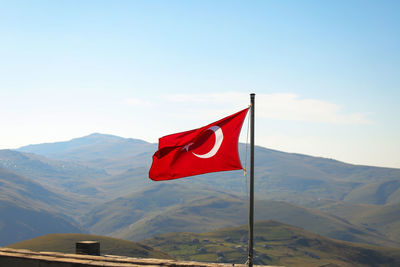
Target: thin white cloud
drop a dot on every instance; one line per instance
(280, 106)
(292, 107)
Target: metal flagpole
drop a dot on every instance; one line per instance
(251, 205)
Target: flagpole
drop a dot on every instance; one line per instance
(251, 204)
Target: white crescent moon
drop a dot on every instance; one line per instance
(219, 136)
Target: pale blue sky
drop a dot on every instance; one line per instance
(326, 73)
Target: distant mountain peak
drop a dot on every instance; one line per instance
(97, 150)
(100, 135)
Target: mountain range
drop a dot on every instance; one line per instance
(279, 175)
(99, 184)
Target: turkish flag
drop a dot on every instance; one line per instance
(211, 148)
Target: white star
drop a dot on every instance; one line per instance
(187, 147)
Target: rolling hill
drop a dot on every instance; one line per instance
(125, 183)
(59, 175)
(111, 172)
(65, 243)
(279, 175)
(385, 219)
(25, 192)
(19, 223)
(295, 177)
(179, 207)
(124, 211)
(275, 243)
(380, 193)
(27, 209)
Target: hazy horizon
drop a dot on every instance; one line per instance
(97, 133)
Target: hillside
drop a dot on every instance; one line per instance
(65, 243)
(124, 211)
(28, 209)
(154, 211)
(125, 183)
(279, 175)
(380, 193)
(18, 223)
(26, 193)
(275, 243)
(105, 179)
(59, 175)
(301, 178)
(385, 219)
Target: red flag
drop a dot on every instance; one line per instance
(211, 148)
